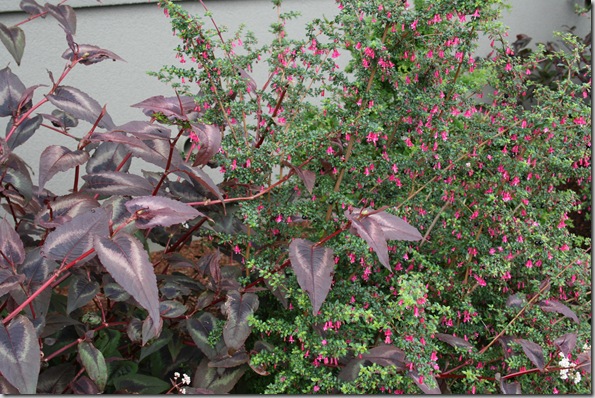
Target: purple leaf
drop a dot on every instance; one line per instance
(158, 210)
(167, 106)
(387, 355)
(61, 119)
(200, 177)
(422, 385)
(75, 237)
(24, 131)
(13, 39)
(85, 386)
(250, 83)
(238, 308)
(80, 292)
(55, 159)
(308, 177)
(35, 268)
(556, 306)
(566, 343)
(64, 208)
(171, 309)
(208, 141)
(31, 7)
(155, 151)
(144, 130)
(372, 233)
(9, 281)
(65, 16)
(80, 105)
(116, 183)
(513, 388)
(584, 361)
(394, 228)
(11, 91)
(533, 351)
(20, 354)
(11, 247)
(313, 267)
(230, 361)
(456, 342)
(515, 300)
(128, 263)
(199, 330)
(89, 54)
(351, 370)
(107, 157)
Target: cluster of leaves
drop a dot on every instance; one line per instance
(379, 227)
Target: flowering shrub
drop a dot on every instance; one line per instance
(398, 225)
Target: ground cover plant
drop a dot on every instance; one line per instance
(401, 224)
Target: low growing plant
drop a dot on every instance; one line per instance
(380, 227)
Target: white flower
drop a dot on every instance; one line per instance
(186, 379)
(183, 391)
(577, 377)
(176, 375)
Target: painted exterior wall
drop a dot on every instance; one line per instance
(141, 35)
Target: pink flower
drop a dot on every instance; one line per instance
(316, 388)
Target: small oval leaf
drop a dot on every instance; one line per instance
(94, 363)
(20, 354)
(80, 292)
(157, 210)
(13, 39)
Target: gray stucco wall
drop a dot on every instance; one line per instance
(141, 35)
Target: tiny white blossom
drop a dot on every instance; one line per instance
(577, 377)
(183, 391)
(176, 375)
(186, 379)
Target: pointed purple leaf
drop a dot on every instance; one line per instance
(24, 131)
(584, 361)
(11, 91)
(89, 54)
(351, 370)
(61, 119)
(172, 309)
(230, 361)
(533, 351)
(456, 342)
(313, 267)
(65, 16)
(65, 208)
(387, 355)
(208, 142)
(199, 329)
(13, 39)
(566, 343)
(198, 176)
(394, 228)
(94, 363)
(144, 130)
(128, 263)
(422, 385)
(85, 386)
(158, 210)
(372, 233)
(12, 250)
(167, 106)
(19, 354)
(250, 83)
(9, 281)
(108, 157)
(238, 308)
(31, 7)
(55, 159)
(80, 292)
(513, 388)
(116, 183)
(308, 177)
(80, 105)
(556, 306)
(75, 237)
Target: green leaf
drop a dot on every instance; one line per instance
(20, 354)
(140, 384)
(94, 362)
(13, 39)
